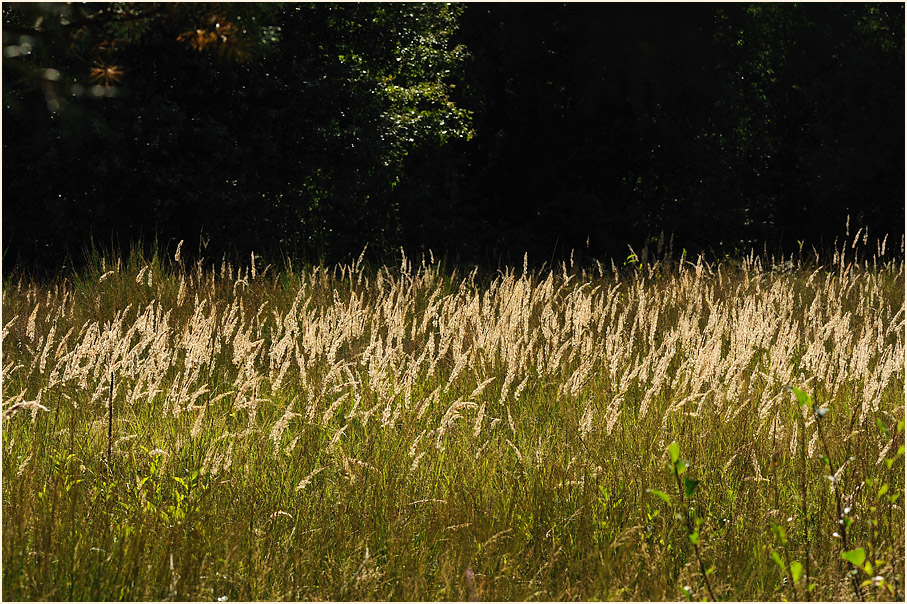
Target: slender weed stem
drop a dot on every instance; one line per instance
(110, 420)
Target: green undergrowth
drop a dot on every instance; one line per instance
(242, 434)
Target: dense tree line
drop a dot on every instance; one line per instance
(482, 130)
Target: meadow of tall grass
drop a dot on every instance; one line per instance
(663, 430)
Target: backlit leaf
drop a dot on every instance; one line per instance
(660, 494)
(777, 558)
(855, 556)
(796, 570)
(802, 397)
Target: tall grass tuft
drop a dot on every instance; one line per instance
(221, 432)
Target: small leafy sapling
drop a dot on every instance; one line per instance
(686, 487)
(844, 520)
(795, 570)
(862, 558)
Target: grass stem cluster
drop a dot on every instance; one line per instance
(414, 432)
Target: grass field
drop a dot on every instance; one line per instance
(419, 433)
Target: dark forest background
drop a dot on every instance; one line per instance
(482, 131)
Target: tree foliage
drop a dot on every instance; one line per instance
(727, 125)
(487, 130)
(262, 125)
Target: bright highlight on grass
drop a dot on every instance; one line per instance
(667, 431)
